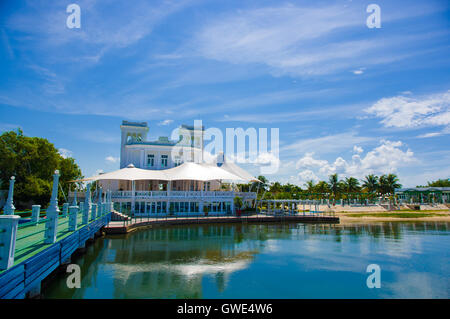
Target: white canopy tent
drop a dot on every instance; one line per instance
(186, 171)
(129, 173)
(238, 171)
(198, 172)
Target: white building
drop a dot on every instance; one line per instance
(171, 177)
(160, 154)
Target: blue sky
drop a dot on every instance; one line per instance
(346, 98)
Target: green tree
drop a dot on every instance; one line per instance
(370, 183)
(310, 186)
(439, 183)
(33, 160)
(351, 185)
(392, 182)
(322, 187)
(388, 183)
(333, 182)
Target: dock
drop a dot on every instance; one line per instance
(124, 227)
(35, 259)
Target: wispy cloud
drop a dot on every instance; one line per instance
(327, 144)
(112, 159)
(165, 122)
(298, 40)
(105, 25)
(406, 111)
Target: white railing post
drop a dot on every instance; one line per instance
(94, 211)
(35, 212)
(99, 202)
(9, 206)
(52, 213)
(8, 232)
(73, 217)
(65, 209)
(87, 201)
(74, 203)
(85, 214)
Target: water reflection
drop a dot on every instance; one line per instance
(264, 261)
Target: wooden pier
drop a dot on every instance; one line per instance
(123, 227)
(36, 259)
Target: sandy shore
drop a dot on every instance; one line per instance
(372, 217)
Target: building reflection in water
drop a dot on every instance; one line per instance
(177, 262)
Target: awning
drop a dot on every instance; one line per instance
(186, 171)
(129, 173)
(198, 172)
(238, 171)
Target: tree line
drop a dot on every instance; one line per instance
(333, 188)
(33, 161)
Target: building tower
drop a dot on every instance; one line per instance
(131, 132)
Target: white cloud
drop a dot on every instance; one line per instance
(123, 26)
(305, 176)
(298, 40)
(165, 122)
(385, 158)
(406, 111)
(327, 144)
(112, 159)
(65, 153)
(358, 71)
(357, 149)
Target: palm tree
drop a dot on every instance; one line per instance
(351, 185)
(322, 187)
(392, 182)
(370, 183)
(310, 186)
(333, 183)
(261, 185)
(382, 184)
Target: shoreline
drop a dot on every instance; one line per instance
(434, 216)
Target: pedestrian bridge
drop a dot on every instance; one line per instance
(34, 243)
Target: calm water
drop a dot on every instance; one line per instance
(266, 261)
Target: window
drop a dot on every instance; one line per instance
(150, 160)
(164, 160)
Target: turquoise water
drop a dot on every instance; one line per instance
(265, 261)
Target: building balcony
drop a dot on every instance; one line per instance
(174, 195)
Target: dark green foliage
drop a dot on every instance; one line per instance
(33, 160)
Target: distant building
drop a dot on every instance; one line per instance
(162, 153)
(423, 194)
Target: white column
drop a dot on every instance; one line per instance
(99, 202)
(52, 213)
(8, 231)
(93, 211)
(73, 216)
(85, 211)
(87, 199)
(133, 199)
(74, 203)
(65, 209)
(9, 206)
(35, 212)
